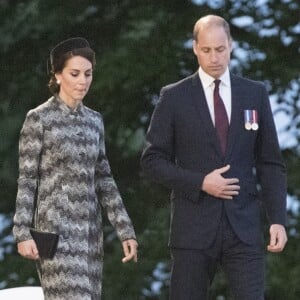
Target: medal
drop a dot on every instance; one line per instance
(255, 120)
(251, 119)
(247, 119)
(254, 126)
(248, 126)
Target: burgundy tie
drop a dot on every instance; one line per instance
(221, 118)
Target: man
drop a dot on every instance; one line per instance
(212, 142)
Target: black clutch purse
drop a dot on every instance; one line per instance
(46, 242)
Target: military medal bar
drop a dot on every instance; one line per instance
(251, 119)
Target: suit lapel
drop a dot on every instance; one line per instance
(200, 104)
(235, 122)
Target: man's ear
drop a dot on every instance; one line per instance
(195, 50)
(230, 45)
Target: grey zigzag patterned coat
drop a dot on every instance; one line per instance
(63, 151)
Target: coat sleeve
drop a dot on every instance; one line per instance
(109, 195)
(30, 145)
(271, 170)
(158, 161)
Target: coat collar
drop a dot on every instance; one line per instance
(60, 104)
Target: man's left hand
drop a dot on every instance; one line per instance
(278, 238)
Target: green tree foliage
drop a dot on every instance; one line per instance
(141, 46)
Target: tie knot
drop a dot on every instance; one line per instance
(217, 83)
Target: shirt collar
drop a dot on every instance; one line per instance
(207, 80)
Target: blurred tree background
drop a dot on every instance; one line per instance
(141, 46)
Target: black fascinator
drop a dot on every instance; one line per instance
(67, 46)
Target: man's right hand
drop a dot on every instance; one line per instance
(216, 185)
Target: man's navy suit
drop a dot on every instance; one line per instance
(182, 148)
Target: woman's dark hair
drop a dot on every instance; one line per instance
(62, 53)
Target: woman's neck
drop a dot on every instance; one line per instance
(72, 103)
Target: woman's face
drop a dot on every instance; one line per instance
(75, 79)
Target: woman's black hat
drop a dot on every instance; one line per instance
(67, 46)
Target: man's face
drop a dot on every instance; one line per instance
(213, 50)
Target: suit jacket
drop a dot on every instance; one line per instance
(182, 148)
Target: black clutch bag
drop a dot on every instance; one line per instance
(46, 242)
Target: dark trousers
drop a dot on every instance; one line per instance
(193, 270)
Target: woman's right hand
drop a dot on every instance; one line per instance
(28, 249)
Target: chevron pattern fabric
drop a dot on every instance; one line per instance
(62, 152)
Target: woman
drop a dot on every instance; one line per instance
(62, 159)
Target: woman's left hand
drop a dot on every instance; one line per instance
(130, 250)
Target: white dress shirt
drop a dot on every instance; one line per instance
(224, 90)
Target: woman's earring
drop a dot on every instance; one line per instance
(58, 81)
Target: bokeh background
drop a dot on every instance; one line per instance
(141, 46)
